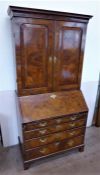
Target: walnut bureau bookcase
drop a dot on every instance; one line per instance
(49, 49)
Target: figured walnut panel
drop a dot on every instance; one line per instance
(49, 54)
(52, 132)
(43, 106)
(69, 47)
(34, 43)
(70, 55)
(35, 142)
(60, 122)
(54, 147)
(31, 133)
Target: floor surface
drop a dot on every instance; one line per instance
(71, 163)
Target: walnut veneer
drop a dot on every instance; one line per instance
(49, 49)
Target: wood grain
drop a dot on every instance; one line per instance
(43, 106)
(49, 49)
(53, 148)
(59, 136)
(49, 52)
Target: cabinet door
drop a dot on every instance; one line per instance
(69, 48)
(34, 43)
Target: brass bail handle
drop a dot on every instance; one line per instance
(55, 59)
(50, 58)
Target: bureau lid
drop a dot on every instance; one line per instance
(50, 105)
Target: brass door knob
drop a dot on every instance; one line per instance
(50, 59)
(55, 59)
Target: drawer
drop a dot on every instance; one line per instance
(29, 144)
(55, 121)
(53, 148)
(53, 128)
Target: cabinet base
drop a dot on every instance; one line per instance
(81, 149)
(27, 164)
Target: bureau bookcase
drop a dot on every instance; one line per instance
(49, 49)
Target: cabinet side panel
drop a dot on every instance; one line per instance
(19, 120)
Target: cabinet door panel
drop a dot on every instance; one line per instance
(35, 51)
(69, 45)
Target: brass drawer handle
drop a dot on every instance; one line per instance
(42, 131)
(43, 140)
(72, 133)
(58, 127)
(43, 124)
(58, 120)
(43, 150)
(72, 124)
(70, 143)
(58, 135)
(73, 118)
(57, 143)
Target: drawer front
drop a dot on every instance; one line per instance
(29, 144)
(45, 123)
(53, 148)
(54, 128)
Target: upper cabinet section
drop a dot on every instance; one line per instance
(49, 48)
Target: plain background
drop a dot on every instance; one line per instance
(91, 66)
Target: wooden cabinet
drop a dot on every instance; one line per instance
(49, 48)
